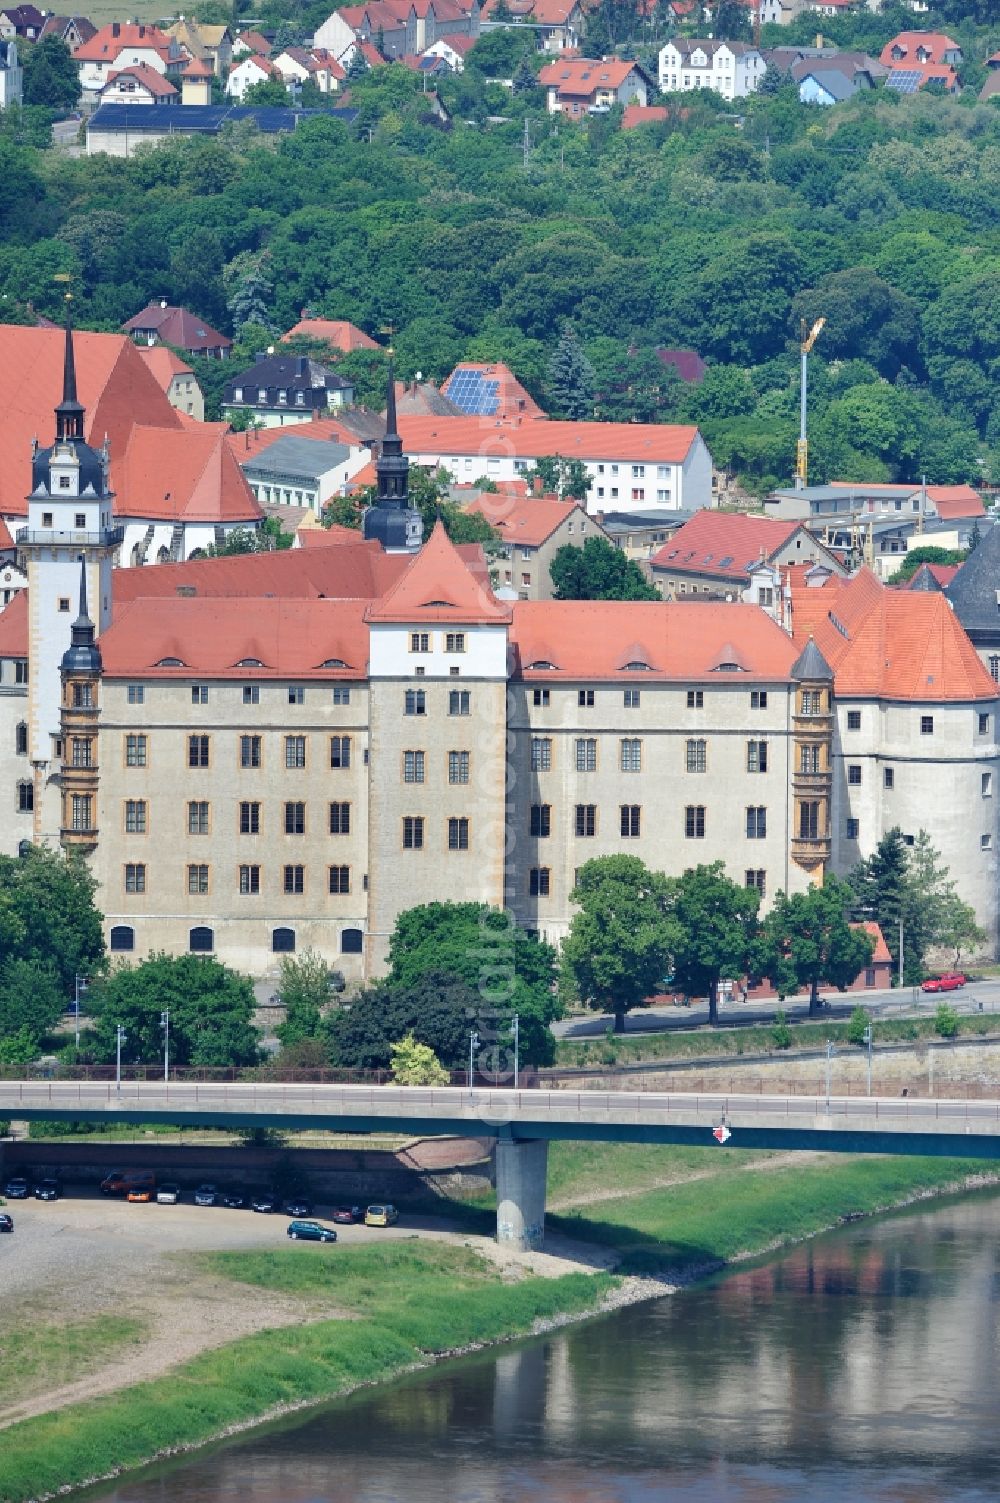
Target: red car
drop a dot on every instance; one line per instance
(948, 983)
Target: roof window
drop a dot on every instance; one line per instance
(171, 663)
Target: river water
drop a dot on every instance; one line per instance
(861, 1367)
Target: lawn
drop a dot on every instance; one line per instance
(40, 1356)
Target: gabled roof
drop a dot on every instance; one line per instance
(59, 25)
(881, 954)
(255, 42)
(581, 77)
(458, 42)
(358, 572)
(147, 76)
(319, 430)
(956, 501)
(643, 114)
(187, 476)
(686, 46)
(335, 536)
(121, 36)
(14, 627)
(596, 639)
(163, 363)
(532, 438)
(177, 326)
(423, 398)
(890, 644)
(336, 331)
(490, 390)
(291, 372)
(439, 586)
(724, 545)
(932, 577)
(909, 42)
(687, 363)
(527, 523)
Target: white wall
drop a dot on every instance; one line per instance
(485, 655)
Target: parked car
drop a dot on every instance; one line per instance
(48, 1189)
(310, 1231)
(381, 1215)
(168, 1194)
(265, 1203)
(297, 1205)
(950, 982)
(233, 1200)
(17, 1188)
(206, 1195)
(6, 1222)
(347, 1214)
(121, 1181)
(140, 1194)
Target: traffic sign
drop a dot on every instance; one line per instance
(721, 1134)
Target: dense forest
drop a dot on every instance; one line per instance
(489, 234)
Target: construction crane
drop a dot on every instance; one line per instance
(808, 339)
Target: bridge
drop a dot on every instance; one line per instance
(525, 1122)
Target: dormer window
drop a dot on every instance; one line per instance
(543, 664)
(64, 482)
(170, 663)
(637, 667)
(728, 668)
(249, 663)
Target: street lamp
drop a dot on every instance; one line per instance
(517, 1045)
(473, 1046)
(120, 1037)
(165, 1025)
(867, 1039)
(829, 1064)
(80, 985)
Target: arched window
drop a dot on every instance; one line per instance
(351, 941)
(201, 940)
(122, 938)
(21, 739)
(170, 663)
(283, 941)
(249, 663)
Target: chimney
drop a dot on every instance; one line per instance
(163, 302)
(142, 31)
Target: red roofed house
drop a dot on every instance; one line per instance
(558, 24)
(578, 86)
(735, 556)
(248, 71)
(139, 84)
(643, 114)
(297, 64)
(336, 332)
(489, 390)
(453, 49)
(533, 530)
(175, 379)
(916, 58)
(651, 464)
(249, 42)
(124, 44)
(160, 323)
(400, 28)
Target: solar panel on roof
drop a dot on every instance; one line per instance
(471, 391)
(903, 81)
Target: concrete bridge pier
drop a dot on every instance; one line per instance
(521, 1166)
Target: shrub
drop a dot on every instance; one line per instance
(781, 1034)
(945, 1020)
(857, 1026)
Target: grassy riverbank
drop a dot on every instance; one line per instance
(403, 1302)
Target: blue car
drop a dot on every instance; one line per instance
(310, 1231)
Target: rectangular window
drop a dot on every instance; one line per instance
(809, 759)
(812, 701)
(341, 694)
(413, 767)
(83, 697)
(413, 833)
(458, 767)
(756, 878)
(756, 756)
(927, 725)
(80, 811)
(294, 879)
(81, 748)
(986, 784)
(809, 821)
(541, 821)
(249, 818)
(295, 819)
(631, 754)
(854, 774)
(250, 751)
(25, 798)
(695, 699)
(249, 879)
(415, 702)
(135, 877)
(696, 755)
(458, 834)
(758, 699)
(853, 828)
(585, 699)
(136, 694)
(197, 879)
(756, 822)
(420, 641)
(296, 694)
(459, 702)
(198, 751)
(632, 699)
(340, 819)
(295, 751)
(538, 882)
(854, 720)
(540, 696)
(340, 879)
(586, 754)
(135, 751)
(198, 817)
(631, 820)
(984, 725)
(340, 751)
(888, 777)
(454, 641)
(694, 822)
(135, 816)
(985, 842)
(199, 694)
(541, 753)
(21, 672)
(251, 694)
(586, 820)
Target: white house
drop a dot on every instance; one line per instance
(297, 64)
(250, 70)
(126, 44)
(11, 75)
(579, 86)
(732, 69)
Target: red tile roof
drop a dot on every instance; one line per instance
(881, 955)
(942, 573)
(723, 544)
(323, 430)
(114, 386)
(579, 78)
(155, 83)
(336, 331)
(513, 399)
(458, 42)
(936, 43)
(890, 644)
(956, 501)
(6, 541)
(198, 68)
(527, 523)
(597, 639)
(14, 627)
(532, 438)
(177, 326)
(361, 572)
(643, 114)
(122, 36)
(255, 42)
(327, 537)
(439, 586)
(189, 476)
(163, 363)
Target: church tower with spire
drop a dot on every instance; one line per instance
(70, 522)
(392, 521)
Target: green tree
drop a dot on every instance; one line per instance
(571, 379)
(31, 1002)
(357, 67)
(598, 571)
(414, 1064)
(621, 940)
(945, 1020)
(866, 319)
(211, 1012)
(781, 1034)
(882, 892)
(808, 941)
(566, 478)
(269, 537)
(857, 1026)
(268, 92)
(249, 290)
(342, 511)
(435, 1007)
(48, 917)
(910, 886)
(718, 932)
(928, 555)
(631, 384)
(304, 989)
(51, 76)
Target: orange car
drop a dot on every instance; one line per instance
(141, 1193)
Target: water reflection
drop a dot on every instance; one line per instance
(862, 1367)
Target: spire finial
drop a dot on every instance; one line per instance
(84, 613)
(69, 361)
(390, 397)
(69, 413)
